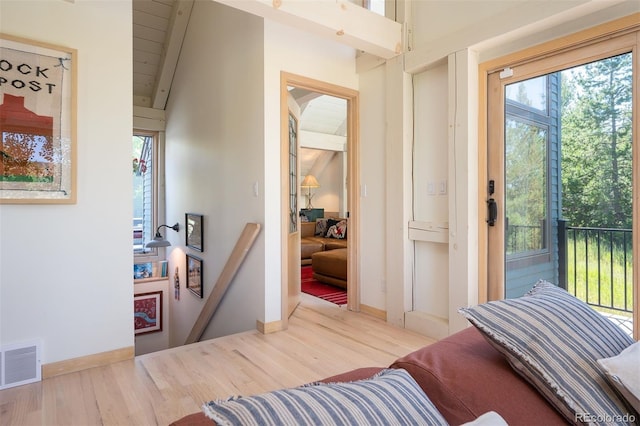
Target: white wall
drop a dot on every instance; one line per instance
(373, 271)
(214, 155)
(429, 172)
(66, 270)
(550, 26)
(223, 135)
(442, 27)
(293, 51)
(332, 182)
(452, 39)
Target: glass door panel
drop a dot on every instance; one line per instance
(527, 143)
(561, 161)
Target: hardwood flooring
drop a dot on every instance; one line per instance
(158, 388)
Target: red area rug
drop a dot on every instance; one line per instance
(323, 291)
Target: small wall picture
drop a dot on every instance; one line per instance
(194, 231)
(142, 270)
(194, 275)
(147, 312)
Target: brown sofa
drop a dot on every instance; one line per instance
(330, 267)
(327, 255)
(311, 243)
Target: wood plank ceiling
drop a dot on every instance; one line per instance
(158, 30)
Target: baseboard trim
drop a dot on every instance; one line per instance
(269, 327)
(370, 310)
(429, 325)
(82, 363)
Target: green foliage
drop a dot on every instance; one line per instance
(25, 178)
(597, 142)
(525, 166)
(138, 184)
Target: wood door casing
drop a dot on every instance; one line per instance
(353, 182)
(603, 41)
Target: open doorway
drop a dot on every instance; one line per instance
(324, 236)
(294, 201)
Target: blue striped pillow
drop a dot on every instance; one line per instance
(553, 340)
(390, 397)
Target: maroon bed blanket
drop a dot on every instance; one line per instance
(466, 377)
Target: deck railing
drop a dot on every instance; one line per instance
(596, 265)
(522, 238)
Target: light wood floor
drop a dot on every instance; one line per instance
(158, 388)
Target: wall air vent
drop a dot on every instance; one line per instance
(20, 364)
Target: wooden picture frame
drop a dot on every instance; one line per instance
(38, 122)
(147, 312)
(194, 275)
(194, 231)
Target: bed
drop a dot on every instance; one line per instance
(545, 358)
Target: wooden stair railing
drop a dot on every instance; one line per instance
(245, 242)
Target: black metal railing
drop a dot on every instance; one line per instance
(522, 238)
(596, 265)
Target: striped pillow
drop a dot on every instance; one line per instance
(390, 397)
(553, 340)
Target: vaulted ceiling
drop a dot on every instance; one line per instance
(159, 27)
(158, 31)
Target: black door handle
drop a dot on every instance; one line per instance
(493, 211)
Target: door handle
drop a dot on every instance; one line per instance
(493, 211)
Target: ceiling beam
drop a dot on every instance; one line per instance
(169, 60)
(323, 141)
(338, 20)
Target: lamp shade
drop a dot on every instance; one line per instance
(158, 240)
(310, 181)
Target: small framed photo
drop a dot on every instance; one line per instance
(194, 275)
(147, 312)
(142, 270)
(194, 231)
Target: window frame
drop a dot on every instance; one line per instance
(542, 119)
(158, 203)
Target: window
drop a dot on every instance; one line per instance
(531, 133)
(376, 6)
(293, 173)
(145, 199)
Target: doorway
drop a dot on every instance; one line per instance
(290, 204)
(560, 175)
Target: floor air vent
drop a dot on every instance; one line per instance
(20, 364)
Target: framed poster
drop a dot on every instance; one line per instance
(194, 275)
(194, 231)
(37, 121)
(147, 312)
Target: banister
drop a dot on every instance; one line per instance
(237, 256)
